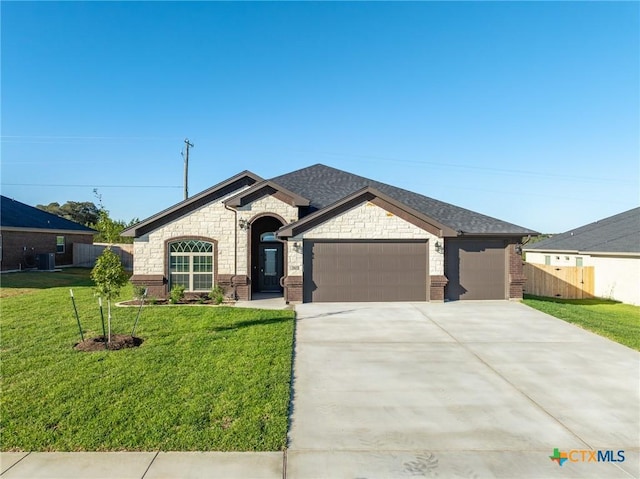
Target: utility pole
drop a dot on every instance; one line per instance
(186, 168)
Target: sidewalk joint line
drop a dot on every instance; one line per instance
(495, 371)
(149, 466)
(15, 464)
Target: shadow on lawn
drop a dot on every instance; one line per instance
(68, 277)
(583, 302)
(250, 323)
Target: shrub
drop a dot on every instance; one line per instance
(217, 294)
(177, 294)
(138, 291)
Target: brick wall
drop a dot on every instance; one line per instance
(19, 249)
(517, 278)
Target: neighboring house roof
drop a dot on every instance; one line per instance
(16, 215)
(317, 187)
(616, 234)
(324, 186)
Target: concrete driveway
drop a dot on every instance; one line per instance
(464, 389)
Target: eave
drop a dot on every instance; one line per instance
(376, 197)
(266, 188)
(178, 210)
(20, 229)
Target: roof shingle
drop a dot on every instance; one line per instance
(324, 185)
(14, 214)
(616, 234)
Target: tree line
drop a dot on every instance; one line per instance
(94, 216)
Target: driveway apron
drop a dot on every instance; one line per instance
(461, 389)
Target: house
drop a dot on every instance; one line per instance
(322, 234)
(611, 246)
(27, 233)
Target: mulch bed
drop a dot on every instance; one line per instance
(186, 301)
(118, 341)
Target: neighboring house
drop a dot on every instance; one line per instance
(611, 246)
(27, 232)
(322, 234)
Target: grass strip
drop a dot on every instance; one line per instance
(616, 321)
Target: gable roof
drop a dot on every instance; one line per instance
(245, 178)
(366, 194)
(616, 234)
(265, 188)
(324, 186)
(14, 214)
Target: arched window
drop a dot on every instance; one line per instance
(191, 265)
(269, 236)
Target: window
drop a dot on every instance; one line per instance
(547, 260)
(59, 244)
(578, 261)
(191, 265)
(271, 236)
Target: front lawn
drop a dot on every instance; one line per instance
(616, 321)
(205, 378)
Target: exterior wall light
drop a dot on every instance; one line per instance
(439, 247)
(243, 224)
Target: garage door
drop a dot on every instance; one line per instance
(476, 269)
(365, 271)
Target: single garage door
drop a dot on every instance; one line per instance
(476, 269)
(365, 270)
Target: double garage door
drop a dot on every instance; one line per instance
(377, 270)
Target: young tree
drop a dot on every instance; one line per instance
(109, 276)
(109, 230)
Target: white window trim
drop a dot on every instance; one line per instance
(58, 245)
(190, 272)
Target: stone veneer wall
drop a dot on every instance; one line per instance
(365, 221)
(211, 221)
(215, 222)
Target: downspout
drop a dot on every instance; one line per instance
(235, 248)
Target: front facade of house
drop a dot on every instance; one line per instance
(27, 233)
(321, 234)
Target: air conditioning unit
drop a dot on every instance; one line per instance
(46, 261)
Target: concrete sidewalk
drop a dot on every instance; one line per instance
(139, 465)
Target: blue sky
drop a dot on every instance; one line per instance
(528, 112)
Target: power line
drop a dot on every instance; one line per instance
(61, 137)
(90, 186)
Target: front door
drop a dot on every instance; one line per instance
(270, 267)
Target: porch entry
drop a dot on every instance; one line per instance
(267, 256)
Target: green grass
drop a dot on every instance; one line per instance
(613, 320)
(205, 378)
